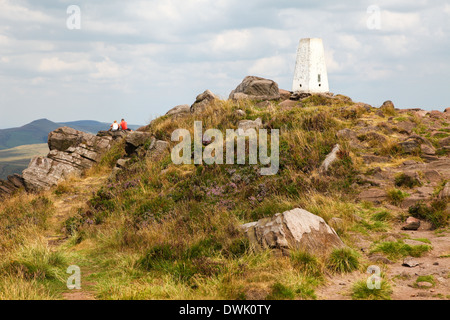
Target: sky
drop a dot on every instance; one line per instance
(137, 59)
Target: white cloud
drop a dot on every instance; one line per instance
(108, 69)
(55, 64)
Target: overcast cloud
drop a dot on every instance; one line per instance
(137, 59)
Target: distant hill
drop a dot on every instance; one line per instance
(36, 132)
(16, 159)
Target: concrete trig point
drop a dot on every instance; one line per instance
(310, 70)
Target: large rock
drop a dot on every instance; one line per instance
(135, 140)
(256, 88)
(295, 229)
(115, 135)
(158, 149)
(71, 152)
(43, 173)
(179, 110)
(203, 101)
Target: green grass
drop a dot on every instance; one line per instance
(343, 260)
(424, 240)
(396, 250)
(429, 279)
(435, 213)
(360, 291)
(307, 264)
(397, 196)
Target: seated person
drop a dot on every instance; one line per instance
(124, 125)
(114, 126)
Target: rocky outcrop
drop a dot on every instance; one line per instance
(180, 110)
(71, 152)
(115, 135)
(256, 88)
(297, 229)
(135, 140)
(203, 101)
(13, 183)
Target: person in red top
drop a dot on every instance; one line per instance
(124, 125)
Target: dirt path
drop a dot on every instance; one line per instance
(66, 205)
(435, 263)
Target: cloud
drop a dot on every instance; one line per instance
(152, 55)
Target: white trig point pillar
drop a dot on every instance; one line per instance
(310, 70)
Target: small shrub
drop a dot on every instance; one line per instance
(436, 213)
(382, 216)
(361, 291)
(238, 247)
(281, 292)
(343, 260)
(38, 262)
(404, 180)
(429, 279)
(396, 196)
(307, 264)
(396, 250)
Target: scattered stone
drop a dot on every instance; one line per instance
(121, 163)
(298, 96)
(427, 150)
(410, 262)
(244, 125)
(256, 88)
(202, 101)
(158, 149)
(240, 113)
(424, 285)
(288, 104)
(295, 229)
(285, 95)
(412, 224)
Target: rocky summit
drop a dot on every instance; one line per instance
(361, 193)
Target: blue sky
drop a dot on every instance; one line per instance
(137, 59)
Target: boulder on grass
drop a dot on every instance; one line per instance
(203, 101)
(256, 88)
(297, 229)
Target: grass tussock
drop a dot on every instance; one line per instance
(396, 250)
(361, 291)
